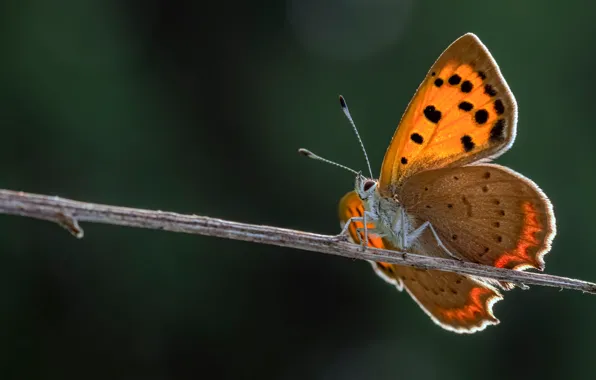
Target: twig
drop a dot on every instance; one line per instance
(68, 213)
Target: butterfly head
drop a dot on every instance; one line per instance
(365, 187)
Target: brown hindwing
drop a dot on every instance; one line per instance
(487, 214)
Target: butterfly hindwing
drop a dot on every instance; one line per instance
(455, 302)
(462, 112)
(484, 213)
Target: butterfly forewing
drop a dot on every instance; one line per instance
(462, 112)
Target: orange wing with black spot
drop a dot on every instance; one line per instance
(457, 303)
(462, 112)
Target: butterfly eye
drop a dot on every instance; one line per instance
(368, 184)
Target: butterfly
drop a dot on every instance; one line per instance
(439, 195)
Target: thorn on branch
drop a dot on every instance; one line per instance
(70, 224)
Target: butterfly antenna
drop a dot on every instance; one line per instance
(344, 107)
(309, 154)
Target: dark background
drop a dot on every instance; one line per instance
(199, 107)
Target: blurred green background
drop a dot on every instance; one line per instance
(199, 108)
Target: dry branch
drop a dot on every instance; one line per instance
(69, 213)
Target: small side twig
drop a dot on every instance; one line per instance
(68, 213)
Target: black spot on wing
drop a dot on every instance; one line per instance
(489, 90)
(454, 80)
(432, 114)
(467, 143)
(465, 106)
(417, 138)
(497, 132)
(466, 86)
(499, 107)
(481, 116)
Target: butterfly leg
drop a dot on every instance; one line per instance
(344, 231)
(418, 231)
(400, 228)
(363, 219)
(364, 242)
